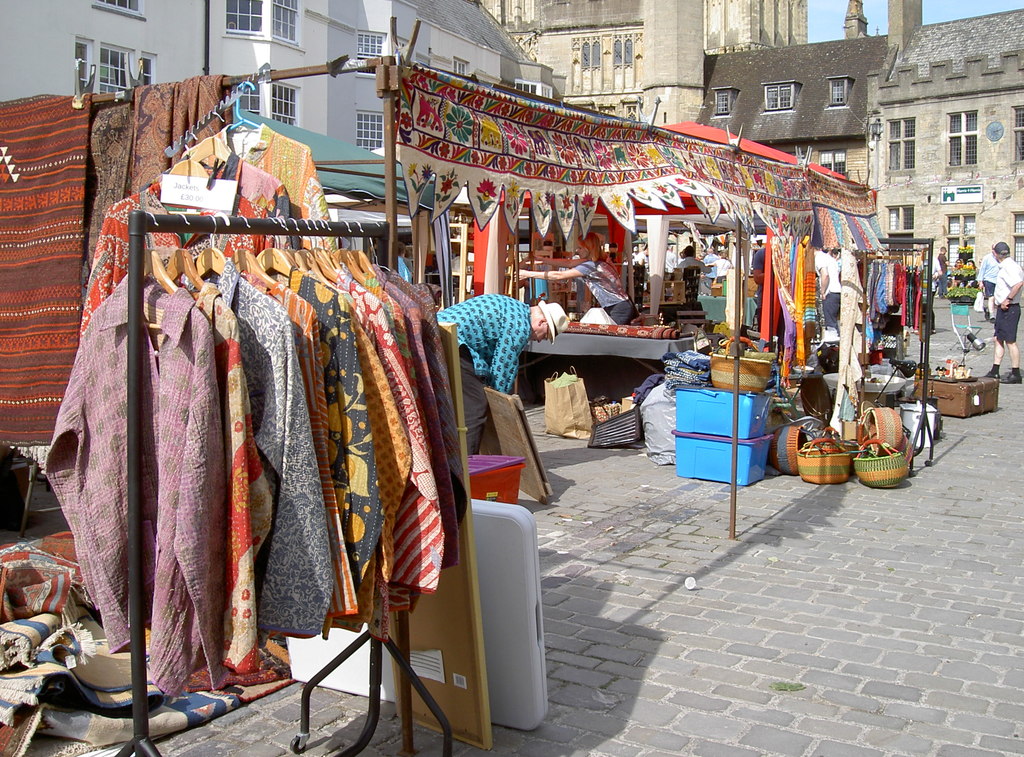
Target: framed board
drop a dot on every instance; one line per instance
(508, 433)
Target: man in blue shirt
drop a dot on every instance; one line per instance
(493, 330)
(988, 272)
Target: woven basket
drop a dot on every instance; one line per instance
(880, 465)
(786, 444)
(824, 461)
(886, 425)
(754, 374)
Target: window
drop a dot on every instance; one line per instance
(963, 138)
(533, 87)
(250, 100)
(370, 45)
(592, 55)
(83, 57)
(245, 16)
(723, 101)
(1018, 133)
(128, 5)
(585, 55)
(833, 159)
(779, 96)
(113, 75)
(901, 218)
(961, 231)
(147, 64)
(902, 133)
(838, 92)
(286, 19)
(1018, 237)
(460, 66)
(369, 130)
(627, 59)
(283, 103)
(617, 53)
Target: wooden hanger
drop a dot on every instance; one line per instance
(189, 167)
(303, 260)
(210, 261)
(322, 261)
(274, 260)
(214, 147)
(181, 264)
(253, 267)
(154, 266)
(358, 265)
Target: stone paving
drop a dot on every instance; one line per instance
(898, 614)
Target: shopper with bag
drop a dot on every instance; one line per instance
(493, 330)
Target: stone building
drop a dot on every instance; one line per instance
(618, 56)
(951, 153)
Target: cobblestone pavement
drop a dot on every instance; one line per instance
(899, 612)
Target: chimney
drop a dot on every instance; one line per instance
(904, 18)
(856, 25)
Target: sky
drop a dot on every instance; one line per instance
(825, 18)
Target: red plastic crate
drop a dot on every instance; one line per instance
(495, 477)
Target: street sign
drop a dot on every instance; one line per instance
(963, 193)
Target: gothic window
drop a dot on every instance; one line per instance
(617, 53)
(595, 54)
(628, 56)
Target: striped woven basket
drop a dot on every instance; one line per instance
(824, 461)
(886, 425)
(785, 446)
(880, 465)
(754, 372)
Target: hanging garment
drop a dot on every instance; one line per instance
(43, 144)
(249, 498)
(354, 469)
(163, 113)
(110, 260)
(181, 488)
(298, 580)
(292, 163)
(307, 343)
(110, 162)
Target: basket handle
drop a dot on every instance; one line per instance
(821, 441)
(883, 448)
(724, 346)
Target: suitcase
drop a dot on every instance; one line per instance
(962, 399)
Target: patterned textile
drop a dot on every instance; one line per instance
(43, 145)
(110, 260)
(468, 135)
(182, 487)
(642, 332)
(110, 158)
(298, 579)
(418, 535)
(495, 329)
(249, 497)
(292, 163)
(16, 738)
(410, 310)
(163, 113)
(34, 581)
(307, 345)
(353, 463)
(687, 368)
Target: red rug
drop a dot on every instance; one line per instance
(642, 332)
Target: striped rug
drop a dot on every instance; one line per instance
(42, 199)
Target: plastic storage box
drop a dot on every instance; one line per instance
(709, 411)
(495, 477)
(710, 457)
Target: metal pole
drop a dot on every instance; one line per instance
(387, 90)
(739, 310)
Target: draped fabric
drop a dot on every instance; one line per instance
(43, 144)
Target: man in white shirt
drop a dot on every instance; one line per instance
(1007, 298)
(829, 286)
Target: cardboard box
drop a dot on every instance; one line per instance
(962, 399)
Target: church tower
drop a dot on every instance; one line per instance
(735, 25)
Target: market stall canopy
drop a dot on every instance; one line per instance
(455, 133)
(362, 177)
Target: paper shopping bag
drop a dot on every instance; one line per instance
(566, 406)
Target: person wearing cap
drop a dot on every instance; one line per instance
(1007, 298)
(597, 273)
(493, 330)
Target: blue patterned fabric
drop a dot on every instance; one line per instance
(495, 329)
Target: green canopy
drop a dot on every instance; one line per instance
(362, 180)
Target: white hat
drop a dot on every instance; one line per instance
(557, 320)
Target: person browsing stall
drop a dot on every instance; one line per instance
(1007, 296)
(827, 267)
(596, 272)
(988, 274)
(493, 330)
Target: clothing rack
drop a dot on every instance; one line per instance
(139, 223)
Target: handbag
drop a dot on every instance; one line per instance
(880, 465)
(566, 407)
(755, 368)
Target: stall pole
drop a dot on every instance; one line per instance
(739, 305)
(387, 90)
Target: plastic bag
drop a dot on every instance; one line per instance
(979, 302)
(659, 416)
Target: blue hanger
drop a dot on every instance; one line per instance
(237, 119)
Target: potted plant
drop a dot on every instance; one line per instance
(962, 295)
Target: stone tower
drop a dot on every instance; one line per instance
(856, 23)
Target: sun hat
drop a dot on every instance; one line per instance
(557, 320)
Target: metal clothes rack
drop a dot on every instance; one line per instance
(139, 223)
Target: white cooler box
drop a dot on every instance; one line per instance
(508, 568)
